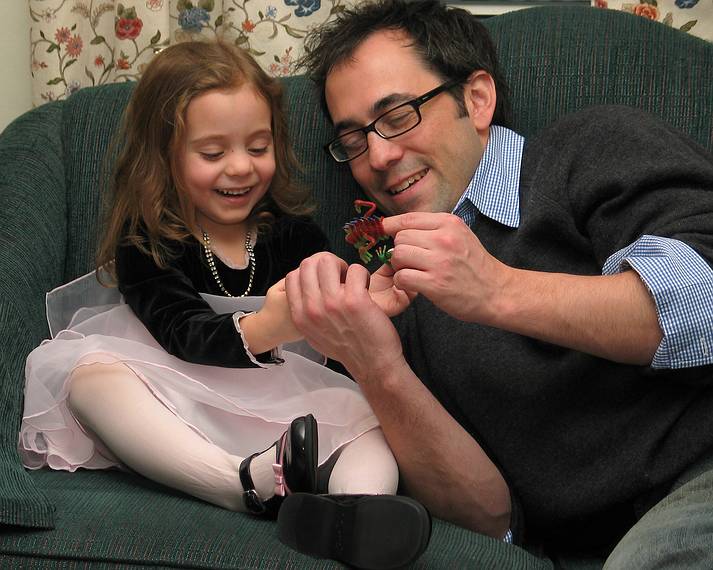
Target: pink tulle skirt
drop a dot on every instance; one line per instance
(242, 410)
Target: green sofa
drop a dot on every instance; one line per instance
(51, 163)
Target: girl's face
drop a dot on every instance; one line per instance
(227, 160)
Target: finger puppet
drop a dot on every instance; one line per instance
(366, 231)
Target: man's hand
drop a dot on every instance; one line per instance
(332, 308)
(610, 316)
(438, 256)
(392, 300)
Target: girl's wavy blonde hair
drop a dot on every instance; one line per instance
(148, 206)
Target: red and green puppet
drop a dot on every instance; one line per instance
(366, 231)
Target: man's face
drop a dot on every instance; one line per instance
(426, 169)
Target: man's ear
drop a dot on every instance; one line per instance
(480, 98)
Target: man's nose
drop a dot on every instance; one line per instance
(383, 152)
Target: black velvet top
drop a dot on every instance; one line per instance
(168, 303)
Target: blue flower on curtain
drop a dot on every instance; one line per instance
(192, 19)
(686, 3)
(304, 7)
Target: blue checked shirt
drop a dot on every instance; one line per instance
(679, 280)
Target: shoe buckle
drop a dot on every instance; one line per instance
(253, 502)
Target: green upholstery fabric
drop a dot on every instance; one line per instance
(119, 518)
(51, 165)
(32, 250)
(563, 59)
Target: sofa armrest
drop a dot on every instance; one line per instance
(33, 233)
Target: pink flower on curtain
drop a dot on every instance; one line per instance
(123, 63)
(74, 46)
(128, 28)
(62, 35)
(647, 11)
(282, 65)
(247, 25)
(99, 61)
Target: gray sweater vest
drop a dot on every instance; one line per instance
(583, 442)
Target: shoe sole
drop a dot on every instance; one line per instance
(311, 449)
(374, 532)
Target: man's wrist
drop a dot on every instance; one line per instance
(387, 375)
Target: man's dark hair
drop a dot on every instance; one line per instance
(452, 42)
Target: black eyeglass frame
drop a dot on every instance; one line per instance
(371, 127)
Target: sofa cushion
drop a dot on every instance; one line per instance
(120, 519)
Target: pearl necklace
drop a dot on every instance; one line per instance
(214, 270)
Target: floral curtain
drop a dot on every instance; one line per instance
(692, 16)
(77, 43)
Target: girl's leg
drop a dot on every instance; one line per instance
(365, 466)
(112, 402)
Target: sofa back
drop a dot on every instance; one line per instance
(557, 60)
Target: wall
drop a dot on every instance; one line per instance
(15, 83)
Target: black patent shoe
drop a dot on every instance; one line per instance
(295, 467)
(366, 531)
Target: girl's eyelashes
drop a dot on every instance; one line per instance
(256, 150)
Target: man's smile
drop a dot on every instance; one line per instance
(405, 184)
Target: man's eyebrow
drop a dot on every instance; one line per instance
(381, 106)
(392, 100)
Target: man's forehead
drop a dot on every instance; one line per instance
(383, 50)
(384, 71)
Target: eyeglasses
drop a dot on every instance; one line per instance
(394, 122)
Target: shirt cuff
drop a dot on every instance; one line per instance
(681, 284)
(274, 355)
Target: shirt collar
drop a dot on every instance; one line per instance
(494, 188)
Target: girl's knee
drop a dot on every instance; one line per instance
(365, 466)
(90, 382)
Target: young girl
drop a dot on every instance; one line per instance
(203, 202)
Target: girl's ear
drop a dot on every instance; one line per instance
(480, 98)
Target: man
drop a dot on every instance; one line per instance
(552, 377)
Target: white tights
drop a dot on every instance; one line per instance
(112, 402)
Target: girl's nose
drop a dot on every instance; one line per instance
(238, 164)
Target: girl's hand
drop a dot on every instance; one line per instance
(277, 313)
(272, 325)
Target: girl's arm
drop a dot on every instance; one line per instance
(272, 324)
(181, 321)
(168, 303)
